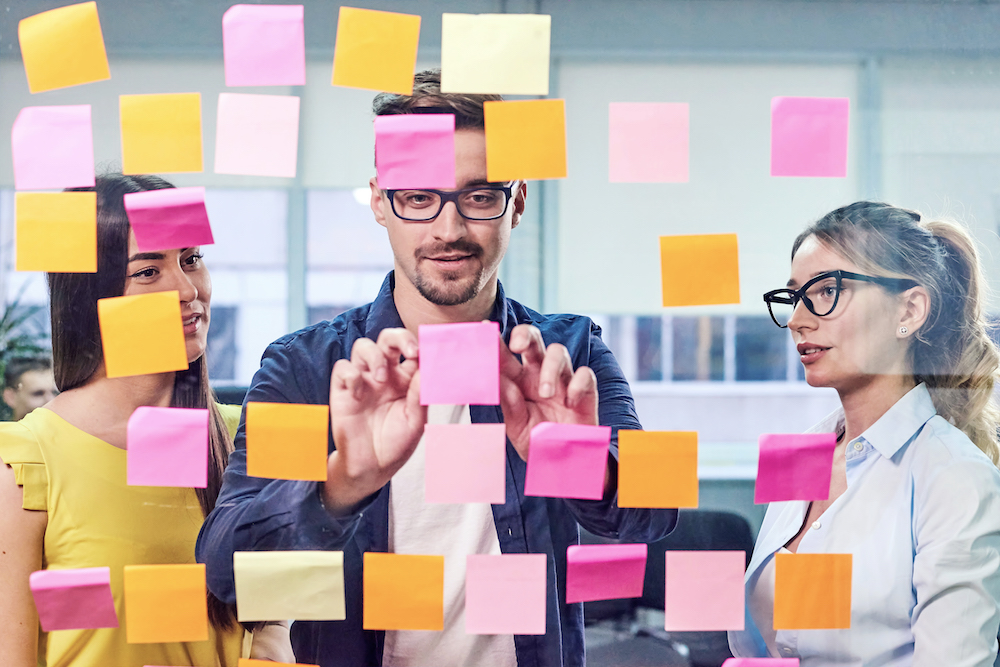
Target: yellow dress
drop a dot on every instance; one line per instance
(95, 520)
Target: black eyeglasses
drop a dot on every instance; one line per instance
(486, 202)
(821, 294)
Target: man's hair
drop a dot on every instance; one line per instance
(428, 98)
(18, 366)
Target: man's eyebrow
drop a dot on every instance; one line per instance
(483, 181)
(146, 256)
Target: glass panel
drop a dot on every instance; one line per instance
(760, 349)
(699, 348)
(649, 332)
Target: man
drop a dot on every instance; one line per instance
(447, 248)
(28, 384)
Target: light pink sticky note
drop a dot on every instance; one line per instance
(264, 45)
(505, 595)
(168, 447)
(169, 218)
(604, 571)
(53, 148)
(465, 463)
(460, 363)
(415, 151)
(567, 461)
(257, 135)
(809, 136)
(761, 662)
(794, 466)
(648, 142)
(704, 590)
(74, 599)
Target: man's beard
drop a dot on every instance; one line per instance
(442, 296)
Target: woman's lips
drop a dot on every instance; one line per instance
(191, 324)
(810, 352)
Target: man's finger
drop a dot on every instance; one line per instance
(369, 358)
(398, 342)
(526, 340)
(556, 372)
(345, 378)
(581, 395)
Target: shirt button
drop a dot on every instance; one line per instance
(817, 525)
(786, 650)
(858, 446)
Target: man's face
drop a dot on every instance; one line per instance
(35, 389)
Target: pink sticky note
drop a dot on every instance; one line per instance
(648, 142)
(74, 599)
(604, 571)
(53, 148)
(761, 662)
(169, 218)
(505, 595)
(168, 447)
(257, 135)
(809, 136)
(465, 463)
(704, 590)
(415, 151)
(567, 461)
(794, 466)
(460, 363)
(264, 45)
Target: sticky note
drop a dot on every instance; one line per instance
(169, 218)
(264, 45)
(287, 441)
(459, 363)
(657, 468)
(505, 595)
(63, 47)
(56, 231)
(161, 133)
(700, 269)
(142, 334)
(168, 447)
(257, 135)
(53, 148)
(465, 463)
(74, 599)
(525, 140)
(704, 590)
(794, 466)
(403, 592)
(249, 662)
(506, 54)
(809, 136)
(812, 591)
(648, 142)
(604, 571)
(567, 461)
(165, 603)
(376, 50)
(761, 662)
(415, 151)
(297, 585)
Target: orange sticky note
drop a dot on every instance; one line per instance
(403, 592)
(165, 603)
(376, 50)
(63, 47)
(287, 440)
(249, 662)
(700, 270)
(812, 591)
(657, 468)
(142, 334)
(161, 133)
(56, 231)
(525, 139)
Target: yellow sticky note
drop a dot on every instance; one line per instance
(142, 334)
(165, 603)
(506, 54)
(403, 592)
(657, 468)
(161, 133)
(812, 591)
(63, 47)
(56, 231)
(525, 139)
(287, 441)
(700, 270)
(295, 585)
(376, 50)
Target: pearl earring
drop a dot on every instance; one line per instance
(903, 331)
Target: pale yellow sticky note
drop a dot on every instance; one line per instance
(63, 47)
(295, 585)
(525, 139)
(161, 133)
(657, 468)
(56, 231)
(376, 50)
(812, 591)
(505, 54)
(700, 270)
(142, 334)
(165, 603)
(287, 440)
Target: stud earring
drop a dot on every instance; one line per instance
(903, 331)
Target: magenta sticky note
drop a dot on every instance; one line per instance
(460, 363)
(53, 148)
(77, 599)
(809, 136)
(648, 142)
(264, 45)
(794, 466)
(704, 590)
(604, 571)
(567, 461)
(257, 135)
(505, 595)
(465, 463)
(761, 662)
(168, 447)
(169, 218)
(415, 151)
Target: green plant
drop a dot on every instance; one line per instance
(16, 340)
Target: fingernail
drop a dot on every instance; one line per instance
(380, 374)
(546, 390)
(411, 351)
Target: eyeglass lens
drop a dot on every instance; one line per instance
(472, 204)
(821, 296)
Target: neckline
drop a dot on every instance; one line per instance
(90, 436)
